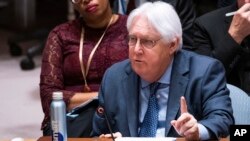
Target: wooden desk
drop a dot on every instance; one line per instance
(104, 139)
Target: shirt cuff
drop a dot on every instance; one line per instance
(203, 132)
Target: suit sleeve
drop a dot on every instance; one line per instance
(216, 104)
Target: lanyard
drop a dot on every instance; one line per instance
(85, 72)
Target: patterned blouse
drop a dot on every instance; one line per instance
(61, 69)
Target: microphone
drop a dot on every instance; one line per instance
(101, 110)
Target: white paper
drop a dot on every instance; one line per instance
(145, 139)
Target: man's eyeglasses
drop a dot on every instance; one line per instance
(132, 40)
(76, 1)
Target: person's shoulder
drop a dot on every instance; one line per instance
(65, 29)
(120, 66)
(67, 26)
(122, 16)
(198, 63)
(119, 25)
(195, 57)
(215, 15)
(121, 21)
(118, 70)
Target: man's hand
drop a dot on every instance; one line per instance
(239, 27)
(116, 135)
(186, 125)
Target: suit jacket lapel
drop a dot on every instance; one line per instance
(178, 84)
(130, 88)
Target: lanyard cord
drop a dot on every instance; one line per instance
(85, 72)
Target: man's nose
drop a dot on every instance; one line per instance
(138, 47)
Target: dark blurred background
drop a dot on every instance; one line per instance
(24, 25)
(27, 15)
(29, 21)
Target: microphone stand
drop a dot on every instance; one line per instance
(109, 127)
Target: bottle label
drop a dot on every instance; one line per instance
(56, 135)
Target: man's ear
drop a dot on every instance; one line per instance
(174, 45)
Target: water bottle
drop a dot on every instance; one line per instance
(58, 117)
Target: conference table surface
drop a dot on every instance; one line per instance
(104, 139)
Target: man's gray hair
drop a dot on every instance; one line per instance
(163, 18)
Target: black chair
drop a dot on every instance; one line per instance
(240, 104)
(27, 62)
(48, 14)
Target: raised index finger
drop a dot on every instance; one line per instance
(183, 105)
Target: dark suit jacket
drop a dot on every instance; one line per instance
(199, 79)
(211, 38)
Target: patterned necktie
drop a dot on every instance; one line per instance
(149, 124)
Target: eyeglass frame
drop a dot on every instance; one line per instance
(76, 1)
(142, 42)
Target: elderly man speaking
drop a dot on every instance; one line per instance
(162, 90)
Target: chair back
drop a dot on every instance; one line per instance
(240, 104)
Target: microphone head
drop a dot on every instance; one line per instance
(100, 110)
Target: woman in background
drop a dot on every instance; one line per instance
(75, 57)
